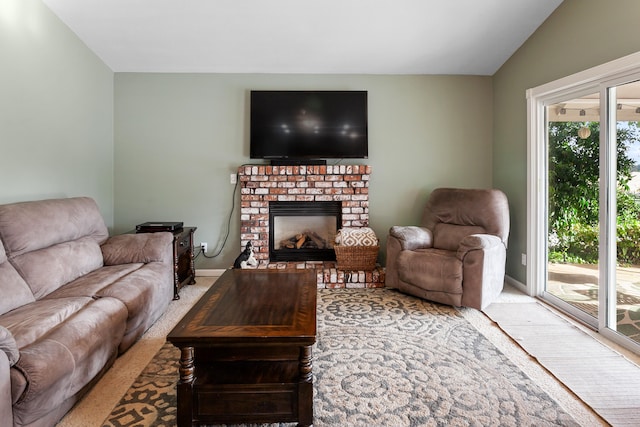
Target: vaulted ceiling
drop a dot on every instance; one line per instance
(471, 37)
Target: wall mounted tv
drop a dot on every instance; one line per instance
(305, 125)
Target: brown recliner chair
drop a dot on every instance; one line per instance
(457, 255)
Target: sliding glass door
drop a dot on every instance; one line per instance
(573, 205)
(592, 206)
(623, 294)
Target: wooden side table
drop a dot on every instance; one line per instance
(184, 270)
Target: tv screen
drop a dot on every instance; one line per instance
(308, 124)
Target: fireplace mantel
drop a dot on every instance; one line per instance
(261, 184)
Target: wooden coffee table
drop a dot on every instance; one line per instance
(246, 350)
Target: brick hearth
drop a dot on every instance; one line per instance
(349, 184)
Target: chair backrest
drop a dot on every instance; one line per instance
(453, 213)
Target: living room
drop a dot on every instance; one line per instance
(161, 146)
(83, 129)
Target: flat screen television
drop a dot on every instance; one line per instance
(299, 125)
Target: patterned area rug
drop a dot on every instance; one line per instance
(383, 359)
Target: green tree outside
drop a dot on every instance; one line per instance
(574, 193)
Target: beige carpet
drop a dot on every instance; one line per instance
(98, 404)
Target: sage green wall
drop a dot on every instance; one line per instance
(178, 137)
(579, 35)
(56, 111)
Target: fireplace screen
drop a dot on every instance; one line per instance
(303, 231)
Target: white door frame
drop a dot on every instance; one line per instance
(594, 80)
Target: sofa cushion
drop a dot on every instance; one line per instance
(145, 296)
(8, 346)
(485, 208)
(449, 236)
(93, 283)
(13, 288)
(135, 248)
(137, 286)
(31, 322)
(60, 364)
(431, 269)
(45, 270)
(29, 226)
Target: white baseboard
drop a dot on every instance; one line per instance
(516, 284)
(214, 272)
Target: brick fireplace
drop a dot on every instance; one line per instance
(347, 184)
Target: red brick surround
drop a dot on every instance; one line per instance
(349, 184)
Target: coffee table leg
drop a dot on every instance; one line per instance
(305, 387)
(185, 387)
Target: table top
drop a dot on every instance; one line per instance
(246, 306)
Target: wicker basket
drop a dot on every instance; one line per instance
(356, 257)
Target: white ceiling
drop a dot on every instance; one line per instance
(472, 37)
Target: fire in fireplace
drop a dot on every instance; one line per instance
(303, 231)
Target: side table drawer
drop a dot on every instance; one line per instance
(183, 243)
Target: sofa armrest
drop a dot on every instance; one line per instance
(134, 248)
(6, 409)
(8, 346)
(412, 237)
(9, 355)
(477, 242)
(483, 259)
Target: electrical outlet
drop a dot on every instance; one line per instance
(203, 245)
(233, 178)
(523, 259)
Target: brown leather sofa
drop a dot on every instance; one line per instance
(72, 300)
(457, 255)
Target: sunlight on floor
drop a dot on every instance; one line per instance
(577, 285)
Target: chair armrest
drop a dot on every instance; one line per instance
(6, 408)
(412, 237)
(477, 242)
(8, 346)
(9, 355)
(134, 248)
